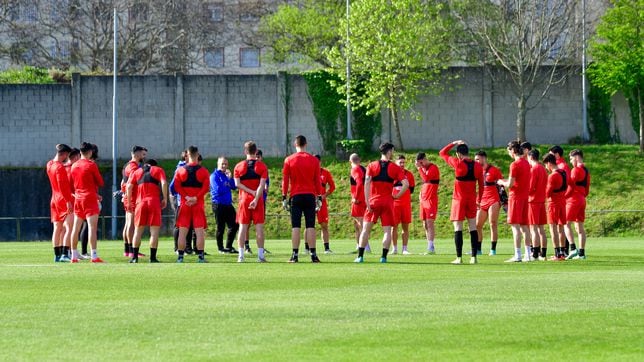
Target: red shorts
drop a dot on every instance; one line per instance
(556, 213)
(247, 216)
(428, 209)
(384, 212)
(463, 209)
(537, 213)
(517, 211)
(358, 210)
(129, 206)
(147, 213)
(576, 209)
(323, 213)
(84, 208)
(58, 208)
(194, 216)
(486, 204)
(402, 213)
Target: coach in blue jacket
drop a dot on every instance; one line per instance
(221, 185)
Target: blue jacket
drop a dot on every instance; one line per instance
(173, 192)
(221, 187)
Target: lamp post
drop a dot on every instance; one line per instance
(114, 128)
(349, 133)
(584, 97)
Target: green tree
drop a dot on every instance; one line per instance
(398, 51)
(618, 53)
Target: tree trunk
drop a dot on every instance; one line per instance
(521, 118)
(640, 100)
(395, 120)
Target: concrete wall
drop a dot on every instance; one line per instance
(219, 112)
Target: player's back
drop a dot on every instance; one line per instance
(520, 172)
(86, 178)
(148, 182)
(538, 183)
(579, 182)
(557, 186)
(467, 173)
(303, 171)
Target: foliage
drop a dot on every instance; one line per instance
(327, 106)
(353, 146)
(599, 115)
(26, 75)
(398, 51)
(533, 45)
(618, 51)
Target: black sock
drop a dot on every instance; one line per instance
(306, 246)
(582, 252)
(360, 251)
(559, 251)
(566, 247)
(326, 246)
(65, 250)
(385, 252)
(313, 251)
(126, 247)
(543, 252)
(200, 253)
(247, 244)
(573, 247)
(458, 241)
(135, 253)
(494, 245)
(474, 242)
(181, 252)
(153, 253)
(535, 251)
(57, 251)
(296, 252)
(480, 246)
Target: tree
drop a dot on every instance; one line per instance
(618, 52)
(533, 44)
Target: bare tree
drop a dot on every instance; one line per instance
(533, 44)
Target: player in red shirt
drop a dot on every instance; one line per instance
(358, 204)
(61, 202)
(556, 196)
(578, 190)
(74, 156)
(537, 206)
(192, 183)
(250, 177)
(402, 208)
(301, 176)
(151, 198)
(430, 175)
(87, 180)
(558, 152)
(490, 204)
(468, 174)
(380, 179)
(138, 155)
(518, 183)
(328, 187)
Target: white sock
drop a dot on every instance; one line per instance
(394, 249)
(241, 252)
(517, 253)
(75, 254)
(430, 245)
(94, 254)
(404, 248)
(260, 253)
(527, 250)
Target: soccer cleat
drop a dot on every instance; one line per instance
(430, 252)
(232, 250)
(64, 259)
(479, 252)
(541, 258)
(394, 252)
(97, 260)
(134, 261)
(405, 252)
(128, 255)
(473, 260)
(84, 257)
(457, 261)
(315, 259)
(154, 261)
(383, 260)
(57, 259)
(492, 253)
(359, 259)
(180, 260)
(514, 259)
(74, 261)
(141, 255)
(328, 251)
(262, 260)
(201, 260)
(554, 258)
(561, 258)
(224, 251)
(240, 259)
(526, 258)
(579, 257)
(293, 259)
(572, 255)
(248, 251)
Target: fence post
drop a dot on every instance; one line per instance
(18, 229)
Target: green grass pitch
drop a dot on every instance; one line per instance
(413, 308)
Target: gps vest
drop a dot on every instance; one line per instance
(192, 181)
(564, 183)
(433, 181)
(250, 171)
(469, 176)
(583, 182)
(487, 183)
(353, 181)
(147, 176)
(383, 176)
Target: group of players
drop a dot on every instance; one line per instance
(381, 191)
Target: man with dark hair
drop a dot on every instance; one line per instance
(150, 182)
(468, 174)
(74, 156)
(250, 178)
(301, 177)
(430, 175)
(518, 183)
(558, 152)
(537, 206)
(526, 147)
(138, 154)
(380, 179)
(576, 194)
(60, 205)
(358, 204)
(222, 183)
(192, 183)
(87, 180)
(556, 196)
(402, 208)
(328, 186)
(490, 203)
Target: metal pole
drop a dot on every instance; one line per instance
(114, 128)
(584, 97)
(349, 133)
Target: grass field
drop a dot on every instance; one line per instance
(413, 308)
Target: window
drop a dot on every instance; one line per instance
(214, 57)
(249, 58)
(249, 12)
(214, 12)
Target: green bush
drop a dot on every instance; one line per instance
(26, 75)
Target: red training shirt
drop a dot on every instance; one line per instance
(520, 172)
(302, 173)
(383, 180)
(490, 189)
(430, 176)
(326, 179)
(405, 199)
(356, 178)
(538, 182)
(87, 179)
(147, 182)
(579, 185)
(59, 180)
(470, 173)
(557, 185)
(250, 173)
(192, 180)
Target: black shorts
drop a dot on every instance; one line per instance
(303, 204)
